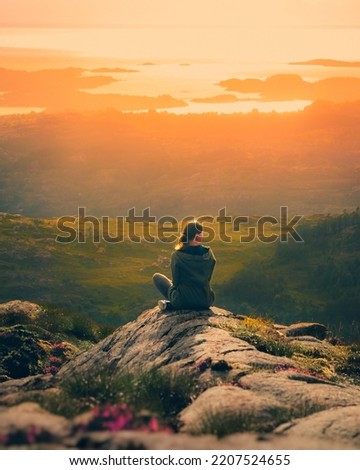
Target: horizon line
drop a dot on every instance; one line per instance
(27, 25)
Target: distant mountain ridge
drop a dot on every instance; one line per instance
(328, 63)
(108, 162)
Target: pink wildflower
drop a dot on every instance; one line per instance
(55, 360)
(154, 424)
(32, 434)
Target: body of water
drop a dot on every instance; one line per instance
(189, 63)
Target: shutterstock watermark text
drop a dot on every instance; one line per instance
(144, 227)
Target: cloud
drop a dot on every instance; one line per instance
(328, 63)
(293, 87)
(217, 99)
(113, 70)
(66, 89)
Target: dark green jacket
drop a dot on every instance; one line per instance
(191, 276)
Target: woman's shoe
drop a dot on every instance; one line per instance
(164, 305)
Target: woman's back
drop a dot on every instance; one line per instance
(192, 268)
(192, 265)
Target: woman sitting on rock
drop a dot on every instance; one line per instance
(192, 265)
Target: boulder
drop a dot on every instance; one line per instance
(20, 309)
(306, 394)
(17, 390)
(182, 340)
(263, 401)
(21, 353)
(317, 330)
(340, 424)
(28, 423)
(245, 410)
(135, 440)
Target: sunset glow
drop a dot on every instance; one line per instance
(171, 13)
(142, 144)
(186, 51)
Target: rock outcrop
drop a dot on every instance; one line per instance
(261, 400)
(315, 330)
(33, 339)
(29, 421)
(178, 340)
(338, 423)
(20, 309)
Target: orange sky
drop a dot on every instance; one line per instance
(254, 13)
(261, 36)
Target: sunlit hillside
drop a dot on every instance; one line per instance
(316, 280)
(251, 163)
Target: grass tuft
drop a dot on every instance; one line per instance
(163, 393)
(222, 423)
(332, 362)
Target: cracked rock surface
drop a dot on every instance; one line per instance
(180, 340)
(272, 401)
(343, 423)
